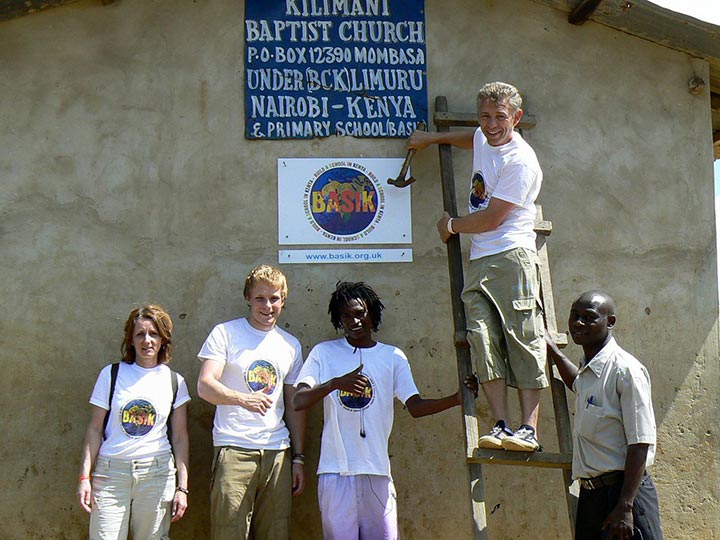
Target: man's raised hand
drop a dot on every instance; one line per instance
(352, 382)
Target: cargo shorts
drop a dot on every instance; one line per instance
(505, 328)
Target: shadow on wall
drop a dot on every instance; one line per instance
(716, 166)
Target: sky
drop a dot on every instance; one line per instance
(705, 10)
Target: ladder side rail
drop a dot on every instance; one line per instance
(462, 351)
(557, 386)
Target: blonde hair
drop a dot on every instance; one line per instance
(498, 91)
(266, 274)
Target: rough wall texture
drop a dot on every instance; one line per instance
(126, 179)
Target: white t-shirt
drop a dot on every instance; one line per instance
(510, 172)
(343, 450)
(137, 425)
(254, 361)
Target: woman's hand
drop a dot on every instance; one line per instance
(179, 505)
(84, 493)
(93, 440)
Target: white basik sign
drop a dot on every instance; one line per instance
(342, 256)
(341, 201)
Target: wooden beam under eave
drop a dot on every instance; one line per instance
(16, 8)
(644, 19)
(715, 101)
(716, 144)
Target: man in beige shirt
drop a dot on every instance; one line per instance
(614, 433)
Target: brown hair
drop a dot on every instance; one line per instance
(163, 324)
(266, 274)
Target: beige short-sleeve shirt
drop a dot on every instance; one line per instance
(613, 409)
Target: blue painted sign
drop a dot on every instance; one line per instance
(315, 68)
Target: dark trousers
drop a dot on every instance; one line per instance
(594, 505)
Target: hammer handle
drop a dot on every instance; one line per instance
(406, 164)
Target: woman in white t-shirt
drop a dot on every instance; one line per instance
(136, 443)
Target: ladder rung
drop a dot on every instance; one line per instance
(560, 338)
(550, 460)
(461, 339)
(543, 228)
(450, 119)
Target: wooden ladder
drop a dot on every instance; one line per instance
(475, 456)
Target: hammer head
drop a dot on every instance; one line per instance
(401, 182)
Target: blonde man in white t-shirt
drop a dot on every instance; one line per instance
(248, 371)
(502, 292)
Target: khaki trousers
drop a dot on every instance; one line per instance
(132, 495)
(250, 495)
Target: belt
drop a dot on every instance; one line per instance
(604, 480)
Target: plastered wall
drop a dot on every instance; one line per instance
(126, 179)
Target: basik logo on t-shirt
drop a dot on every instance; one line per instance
(138, 417)
(351, 402)
(479, 198)
(262, 376)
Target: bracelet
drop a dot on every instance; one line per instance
(298, 459)
(83, 477)
(450, 227)
(182, 490)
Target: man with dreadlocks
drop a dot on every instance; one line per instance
(357, 377)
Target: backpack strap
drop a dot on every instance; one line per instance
(113, 379)
(174, 382)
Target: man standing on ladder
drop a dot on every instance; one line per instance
(505, 329)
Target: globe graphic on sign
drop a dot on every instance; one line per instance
(343, 201)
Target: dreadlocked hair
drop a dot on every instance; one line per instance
(345, 292)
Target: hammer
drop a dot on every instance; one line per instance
(401, 181)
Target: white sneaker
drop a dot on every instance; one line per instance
(494, 439)
(522, 441)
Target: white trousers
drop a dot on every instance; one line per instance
(132, 495)
(358, 507)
